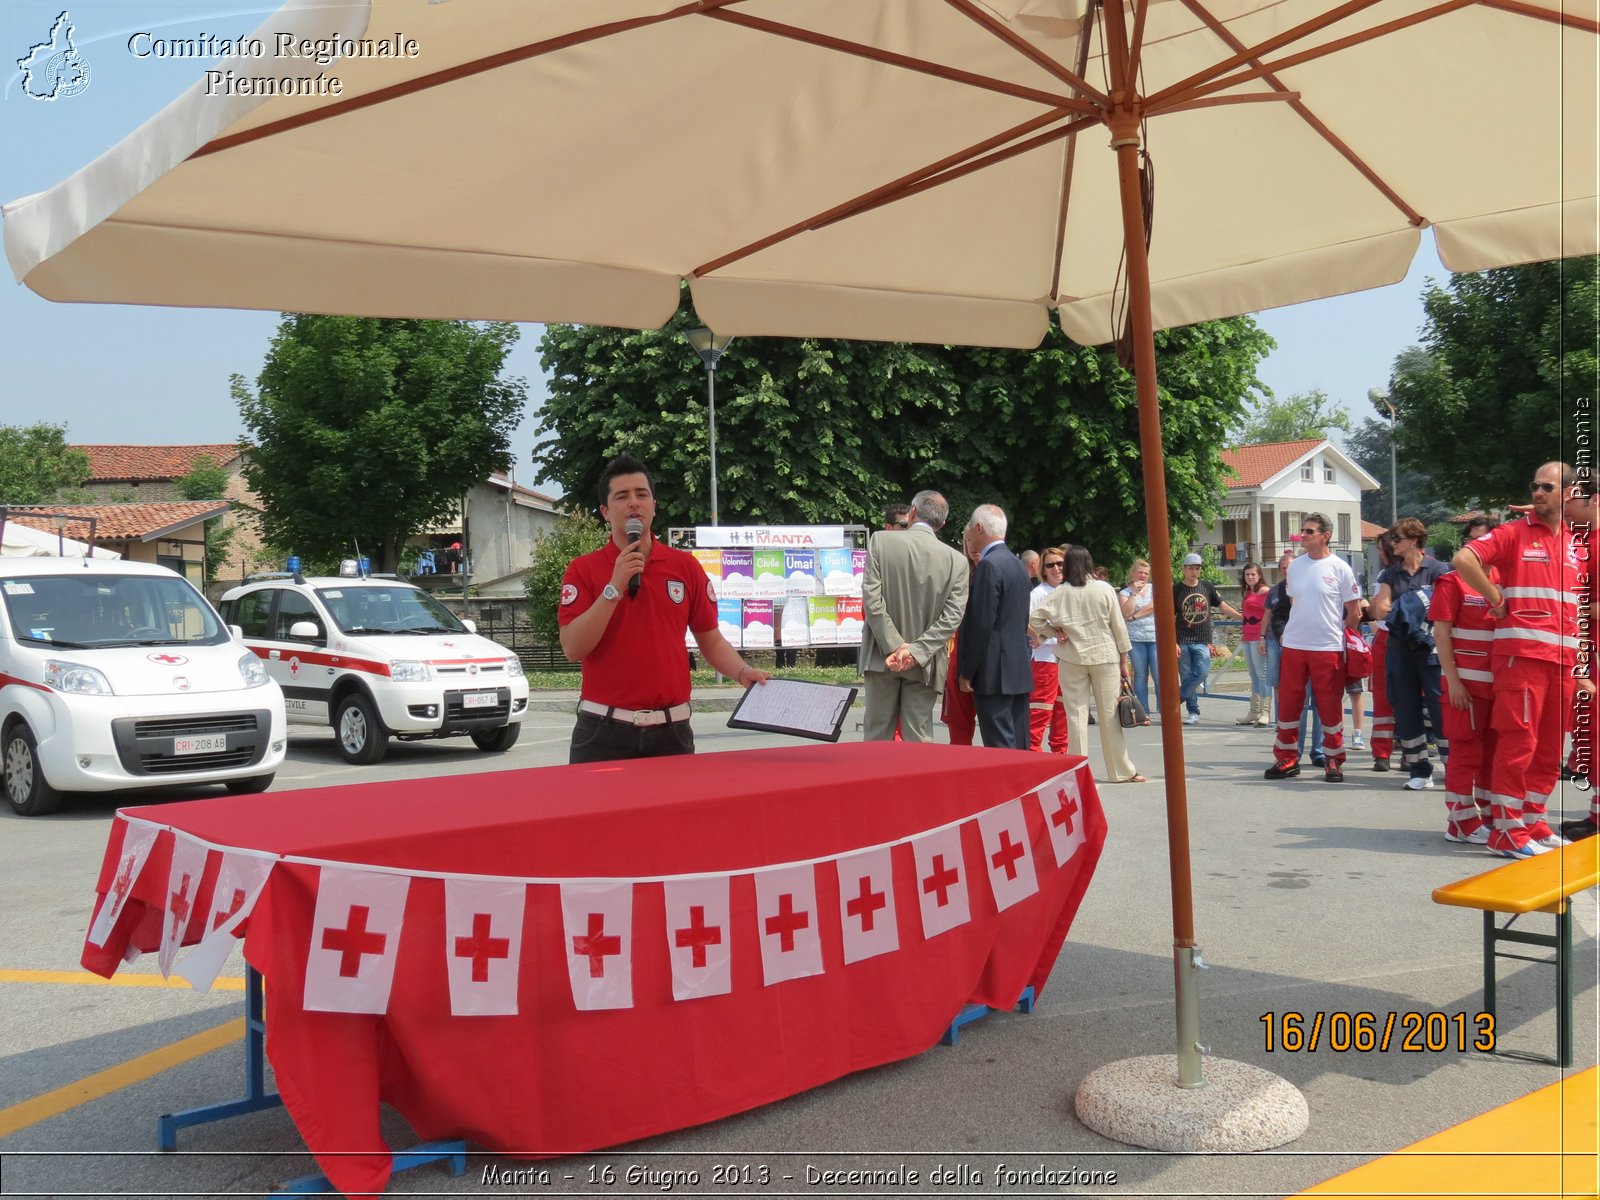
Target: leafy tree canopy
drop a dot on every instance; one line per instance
(829, 431)
(1504, 380)
(366, 431)
(1303, 415)
(37, 465)
(205, 480)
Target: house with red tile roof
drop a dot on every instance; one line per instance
(1274, 485)
(171, 533)
(497, 524)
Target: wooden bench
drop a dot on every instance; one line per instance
(1545, 883)
(1541, 1145)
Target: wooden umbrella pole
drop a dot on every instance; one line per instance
(1124, 124)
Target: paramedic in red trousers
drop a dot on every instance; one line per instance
(1045, 709)
(1463, 631)
(1326, 601)
(631, 640)
(1535, 649)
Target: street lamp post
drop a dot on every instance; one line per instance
(709, 347)
(1381, 396)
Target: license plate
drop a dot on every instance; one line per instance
(479, 700)
(200, 745)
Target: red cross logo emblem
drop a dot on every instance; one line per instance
(1066, 809)
(294, 667)
(178, 905)
(353, 942)
(866, 904)
(167, 660)
(234, 906)
(942, 880)
(596, 945)
(786, 923)
(1005, 858)
(480, 947)
(697, 935)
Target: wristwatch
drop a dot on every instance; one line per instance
(610, 593)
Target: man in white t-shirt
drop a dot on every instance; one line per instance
(1327, 601)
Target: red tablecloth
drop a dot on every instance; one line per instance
(553, 1079)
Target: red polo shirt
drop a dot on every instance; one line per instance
(640, 660)
(1472, 629)
(1538, 576)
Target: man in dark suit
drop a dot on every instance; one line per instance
(912, 597)
(995, 662)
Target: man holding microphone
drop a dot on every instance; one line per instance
(623, 613)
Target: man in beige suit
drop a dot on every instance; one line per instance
(913, 597)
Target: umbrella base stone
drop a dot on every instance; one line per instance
(1240, 1108)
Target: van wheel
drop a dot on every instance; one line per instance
(27, 790)
(250, 786)
(497, 740)
(359, 734)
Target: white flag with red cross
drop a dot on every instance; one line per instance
(137, 838)
(1062, 802)
(1007, 854)
(183, 888)
(941, 880)
(483, 945)
(699, 941)
(598, 923)
(866, 904)
(355, 940)
(786, 921)
(240, 881)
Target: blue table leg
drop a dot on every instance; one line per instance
(256, 1096)
(975, 1012)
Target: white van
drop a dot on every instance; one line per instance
(118, 674)
(375, 657)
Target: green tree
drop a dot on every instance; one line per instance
(366, 430)
(572, 535)
(1303, 415)
(1504, 380)
(37, 465)
(1418, 496)
(206, 480)
(828, 431)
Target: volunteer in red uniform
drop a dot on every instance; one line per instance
(1535, 643)
(1464, 633)
(629, 639)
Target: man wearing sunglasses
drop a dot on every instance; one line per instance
(1326, 601)
(1535, 607)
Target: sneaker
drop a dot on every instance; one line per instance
(1508, 849)
(1419, 783)
(1380, 764)
(1191, 718)
(1333, 775)
(1277, 772)
(1356, 740)
(1576, 831)
(1552, 841)
(1478, 837)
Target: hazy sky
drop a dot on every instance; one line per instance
(116, 373)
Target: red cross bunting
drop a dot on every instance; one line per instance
(1065, 811)
(596, 945)
(697, 935)
(178, 903)
(942, 880)
(124, 883)
(353, 941)
(786, 922)
(480, 947)
(1005, 858)
(234, 905)
(866, 904)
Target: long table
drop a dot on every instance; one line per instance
(555, 960)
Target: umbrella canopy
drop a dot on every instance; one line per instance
(880, 169)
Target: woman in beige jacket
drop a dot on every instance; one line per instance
(1085, 617)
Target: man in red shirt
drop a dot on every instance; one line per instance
(624, 611)
(1535, 610)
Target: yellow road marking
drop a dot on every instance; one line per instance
(224, 984)
(103, 1083)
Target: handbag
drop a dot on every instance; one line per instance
(1129, 711)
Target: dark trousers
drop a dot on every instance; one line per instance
(600, 739)
(1413, 684)
(1003, 719)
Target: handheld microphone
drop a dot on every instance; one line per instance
(635, 530)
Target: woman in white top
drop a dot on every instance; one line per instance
(1085, 617)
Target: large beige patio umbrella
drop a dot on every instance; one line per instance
(923, 170)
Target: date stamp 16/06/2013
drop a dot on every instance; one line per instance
(1368, 1032)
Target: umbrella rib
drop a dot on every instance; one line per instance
(1570, 20)
(1169, 96)
(875, 54)
(892, 190)
(1069, 167)
(1227, 36)
(460, 71)
(1028, 50)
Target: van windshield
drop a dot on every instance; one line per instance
(84, 612)
(377, 608)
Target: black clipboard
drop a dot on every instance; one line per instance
(794, 707)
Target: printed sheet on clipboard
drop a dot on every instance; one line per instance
(794, 707)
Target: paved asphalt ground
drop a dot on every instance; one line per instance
(1309, 898)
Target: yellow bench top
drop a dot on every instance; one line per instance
(1529, 884)
(1545, 1144)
